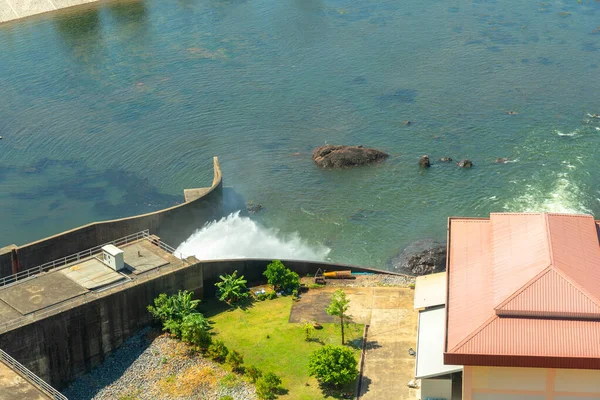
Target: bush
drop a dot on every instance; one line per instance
(235, 359)
(254, 373)
(218, 351)
(226, 398)
(194, 330)
(281, 277)
(171, 310)
(271, 295)
(267, 386)
(262, 296)
(333, 365)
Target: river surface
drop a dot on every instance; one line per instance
(114, 109)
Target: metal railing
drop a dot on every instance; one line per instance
(83, 298)
(31, 377)
(61, 262)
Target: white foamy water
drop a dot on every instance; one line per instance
(564, 197)
(240, 237)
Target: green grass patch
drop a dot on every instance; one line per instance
(262, 334)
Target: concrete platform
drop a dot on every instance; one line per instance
(142, 256)
(40, 292)
(193, 194)
(7, 312)
(14, 387)
(92, 274)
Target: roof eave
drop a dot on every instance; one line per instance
(504, 360)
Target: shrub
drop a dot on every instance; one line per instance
(271, 295)
(254, 373)
(218, 351)
(235, 359)
(281, 277)
(229, 381)
(267, 386)
(232, 289)
(194, 330)
(171, 310)
(333, 365)
(226, 398)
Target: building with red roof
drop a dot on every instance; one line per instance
(522, 309)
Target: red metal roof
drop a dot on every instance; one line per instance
(523, 285)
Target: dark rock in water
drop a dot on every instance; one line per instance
(408, 122)
(465, 163)
(502, 160)
(330, 156)
(424, 162)
(253, 207)
(421, 258)
(446, 159)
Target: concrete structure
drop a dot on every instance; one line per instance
(173, 225)
(16, 9)
(522, 311)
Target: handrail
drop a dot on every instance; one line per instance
(30, 376)
(71, 258)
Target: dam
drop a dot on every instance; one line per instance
(64, 307)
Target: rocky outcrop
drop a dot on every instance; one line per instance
(421, 258)
(502, 160)
(446, 159)
(330, 156)
(465, 163)
(424, 162)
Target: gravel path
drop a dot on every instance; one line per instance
(154, 367)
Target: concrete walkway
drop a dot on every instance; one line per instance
(14, 387)
(15, 9)
(393, 329)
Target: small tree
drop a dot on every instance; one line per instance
(194, 330)
(339, 307)
(333, 365)
(267, 386)
(235, 359)
(281, 277)
(232, 288)
(254, 373)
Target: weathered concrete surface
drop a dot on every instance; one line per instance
(15, 9)
(14, 387)
(392, 331)
(91, 274)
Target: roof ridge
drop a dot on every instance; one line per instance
(527, 285)
(549, 239)
(474, 333)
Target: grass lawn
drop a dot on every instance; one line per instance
(262, 334)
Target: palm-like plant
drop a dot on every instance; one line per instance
(232, 288)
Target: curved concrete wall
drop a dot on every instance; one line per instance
(173, 225)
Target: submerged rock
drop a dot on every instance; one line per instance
(253, 207)
(465, 163)
(502, 160)
(446, 159)
(422, 257)
(424, 162)
(330, 156)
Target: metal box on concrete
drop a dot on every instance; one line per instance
(113, 257)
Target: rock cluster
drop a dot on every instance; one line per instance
(421, 258)
(330, 156)
(424, 162)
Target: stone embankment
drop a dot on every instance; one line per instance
(154, 367)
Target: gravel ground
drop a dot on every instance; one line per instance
(368, 280)
(154, 367)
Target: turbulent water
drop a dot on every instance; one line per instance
(240, 237)
(113, 109)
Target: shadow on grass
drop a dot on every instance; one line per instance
(211, 307)
(316, 340)
(345, 392)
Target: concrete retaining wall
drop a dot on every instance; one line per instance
(173, 225)
(59, 348)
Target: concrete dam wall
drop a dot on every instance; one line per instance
(63, 346)
(173, 225)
